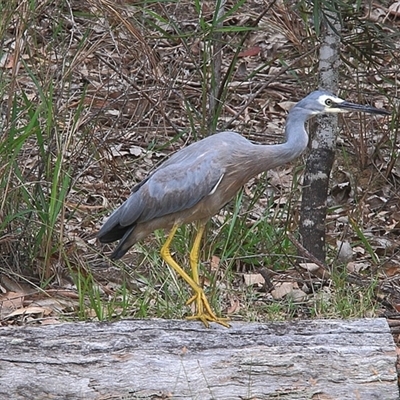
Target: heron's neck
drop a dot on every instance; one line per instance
(296, 134)
(271, 156)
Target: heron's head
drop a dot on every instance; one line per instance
(320, 102)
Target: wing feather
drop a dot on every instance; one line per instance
(173, 188)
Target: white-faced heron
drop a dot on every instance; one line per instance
(197, 181)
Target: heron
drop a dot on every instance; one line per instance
(200, 179)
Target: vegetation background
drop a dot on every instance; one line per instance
(96, 93)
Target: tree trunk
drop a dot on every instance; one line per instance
(323, 141)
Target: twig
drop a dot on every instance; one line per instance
(306, 254)
(267, 275)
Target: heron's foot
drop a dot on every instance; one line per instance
(204, 312)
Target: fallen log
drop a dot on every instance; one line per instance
(159, 359)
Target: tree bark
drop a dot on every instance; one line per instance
(159, 359)
(323, 142)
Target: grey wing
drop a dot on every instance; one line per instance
(178, 184)
(174, 187)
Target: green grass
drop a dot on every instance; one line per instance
(344, 300)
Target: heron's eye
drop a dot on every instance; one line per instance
(329, 102)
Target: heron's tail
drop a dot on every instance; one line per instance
(126, 242)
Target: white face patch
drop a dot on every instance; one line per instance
(328, 108)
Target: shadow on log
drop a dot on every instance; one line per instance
(158, 359)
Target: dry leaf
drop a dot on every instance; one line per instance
(135, 151)
(252, 51)
(10, 302)
(234, 307)
(312, 267)
(281, 178)
(394, 9)
(214, 263)
(357, 266)
(281, 290)
(30, 310)
(345, 252)
(253, 279)
(297, 295)
(50, 321)
(286, 105)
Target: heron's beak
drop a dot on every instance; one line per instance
(347, 106)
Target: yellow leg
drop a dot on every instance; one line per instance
(203, 309)
(202, 305)
(194, 253)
